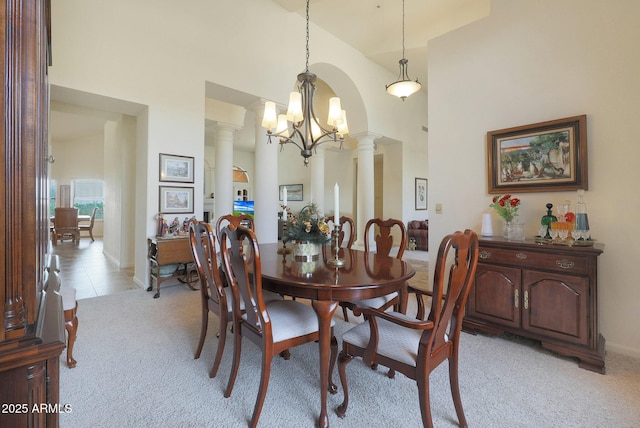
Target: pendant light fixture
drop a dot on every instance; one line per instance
(404, 86)
(300, 126)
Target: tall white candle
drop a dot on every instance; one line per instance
(336, 204)
(284, 196)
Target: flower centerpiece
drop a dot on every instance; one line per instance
(309, 230)
(507, 208)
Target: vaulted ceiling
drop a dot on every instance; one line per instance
(374, 27)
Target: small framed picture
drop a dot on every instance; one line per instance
(294, 192)
(176, 199)
(421, 193)
(176, 168)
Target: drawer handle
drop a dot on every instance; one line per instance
(521, 256)
(484, 254)
(516, 298)
(526, 299)
(565, 264)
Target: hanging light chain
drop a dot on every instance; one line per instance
(307, 63)
(403, 29)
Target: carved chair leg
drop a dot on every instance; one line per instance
(333, 389)
(343, 360)
(237, 345)
(203, 330)
(221, 341)
(71, 325)
(264, 384)
(425, 404)
(455, 389)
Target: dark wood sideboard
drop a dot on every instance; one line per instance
(544, 292)
(171, 251)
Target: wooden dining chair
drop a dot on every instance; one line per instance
(273, 326)
(83, 227)
(347, 229)
(416, 346)
(384, 244)
(235, 220)
(214, 296)
(65, 225)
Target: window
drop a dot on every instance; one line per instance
(88, 194)
(52, 197)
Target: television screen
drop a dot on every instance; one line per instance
(243, 207)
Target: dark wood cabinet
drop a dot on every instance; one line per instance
(544, 292)
(171, 252)
(32, 333)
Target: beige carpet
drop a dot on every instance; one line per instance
(136, 369)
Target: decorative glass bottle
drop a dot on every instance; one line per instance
(582, 221)
(547, 220)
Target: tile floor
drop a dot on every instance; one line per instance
(89, 271)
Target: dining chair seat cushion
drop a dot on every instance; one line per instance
(394, 341)
(377, 302)
(290, 319)
(68, 298)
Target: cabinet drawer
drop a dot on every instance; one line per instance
(565, 263)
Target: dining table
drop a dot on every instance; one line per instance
(363, 275)
(81, 218)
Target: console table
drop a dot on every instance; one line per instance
(171, 251)
(540, 291)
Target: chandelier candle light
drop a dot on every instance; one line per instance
(300, 126)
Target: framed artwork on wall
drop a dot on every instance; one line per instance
(176, 168)
(176, 199)
(421, 193)
(542, 157)
(294, 192)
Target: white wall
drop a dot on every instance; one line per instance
(159, 55)
(530, 62)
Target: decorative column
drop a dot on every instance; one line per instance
(365, 187)
(224, 169)
(265, 183)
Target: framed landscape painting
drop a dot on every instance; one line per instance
(176, 199)
(176, 168)
(542, 157)
(294, 192)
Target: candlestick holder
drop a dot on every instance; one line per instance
(284, 249)
(336, 261)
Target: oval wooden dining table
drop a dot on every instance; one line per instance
(363, 276)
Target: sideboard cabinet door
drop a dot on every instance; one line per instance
(495, 295)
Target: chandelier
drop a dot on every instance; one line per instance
(300, 126)
(404, 86)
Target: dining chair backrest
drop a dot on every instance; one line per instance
(203, 248)
(213, 297)
(453, 277)
(93, 217)
(384, 236)
(241, 258)
(66, 218)
(235, 220)
(347, 228)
